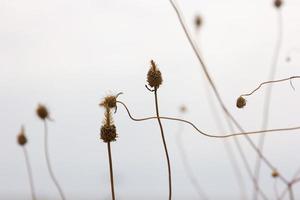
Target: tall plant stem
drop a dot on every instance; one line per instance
(49, 163)
(29, 170)
(268, 95)
(111, 172)
(164, 143)
(216, 92)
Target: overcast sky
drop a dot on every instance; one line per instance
(69, 54)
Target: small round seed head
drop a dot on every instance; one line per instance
(42, 112)
(109, 101)
(198, 21)
(154, 77)
(278, 3)
(21, 138)
(240, 102)
(275, 174)
(183, 109)
(108, 133)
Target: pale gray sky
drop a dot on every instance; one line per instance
(69, 54)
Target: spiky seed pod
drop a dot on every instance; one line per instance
(108, 133)
(278, 3)
(154, 77)
(109, 101)
(240, 102)
(198, 21)
(275, 174)
(21, 138)
(42, 112)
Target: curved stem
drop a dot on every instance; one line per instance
(222, 135)
(49, 163)
(29, 170)
(269, 82)
(111, 172)
(164, 143)
(268, 96)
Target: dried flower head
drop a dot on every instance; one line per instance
(42, 112)
(198, 21)
(108, 133)
(154, 77)
(275, 174)
(240, 102)
(183, 109)
(278, 3)
(110, 101)
(21, 138)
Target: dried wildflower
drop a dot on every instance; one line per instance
(108, 129)
(22, 140)
(108, 133)
(42, 112)
(198, 21)
(240, 102)
(275, 174)
(278, 3)
(154, 77)
(109, 101)
(183, 109)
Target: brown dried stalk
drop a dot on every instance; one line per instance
(43, 114)
(220, 135)
(270, 82)
(22, 141)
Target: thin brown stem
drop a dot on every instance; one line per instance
(269, 82)
(216, 92)
(29, 170)
(219, 135)
(111, 172)
(55, 181)
(228, 148)
(164, 143)
(291, 193)
(268, 96)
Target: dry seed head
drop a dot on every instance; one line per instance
(198, 21)
(275, 174)
(42, 112)
(109, 101)
(108, 133)
(154, 77)
(278, 3)
(21, 138)
(183, 109)
(240, 102)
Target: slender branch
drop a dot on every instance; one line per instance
(111, 172)
(55, 181)
(268, 96)
(291, 193)
(227, 146)
(29, 170)
(228, 135)
(216, 92)
(269, 82)
(164, 143)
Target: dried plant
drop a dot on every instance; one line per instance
(154, 79)
(108, 132)
(43, 114)
(22, 141)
